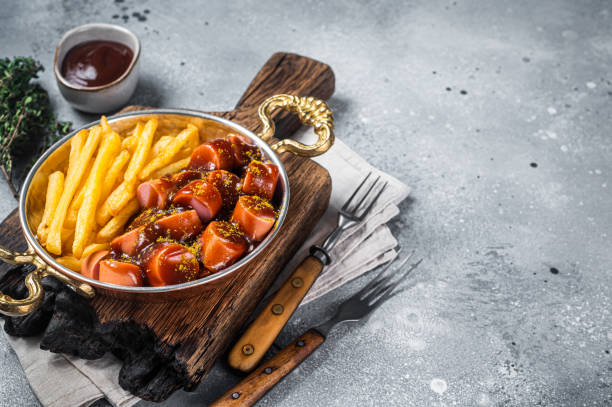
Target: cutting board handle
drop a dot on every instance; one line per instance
(290, 74)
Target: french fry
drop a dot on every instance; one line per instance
(145, 138)
(160, 145)
(73, 178)
(104, 213)
(54, 192)
(170, 150)
(127, 189)
(114, 173)
(71, 262)
(114, 227)
(94, 247)
(71, 216)
(67, 239)
(76, 143)
(194, 140)
(188, 148)
(129, 143)
(172, 168)
(106, 128)
(73, 209)
(93, 189)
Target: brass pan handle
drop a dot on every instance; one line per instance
(311, 111)
(15, 308)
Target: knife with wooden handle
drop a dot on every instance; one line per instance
(260, 335)
(266, 376)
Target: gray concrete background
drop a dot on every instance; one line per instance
(457, 99)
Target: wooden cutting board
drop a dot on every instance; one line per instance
(165, 347)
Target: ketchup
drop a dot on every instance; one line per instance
(96, 63)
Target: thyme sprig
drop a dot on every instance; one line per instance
(27, 123)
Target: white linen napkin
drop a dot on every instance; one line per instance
(61, 380)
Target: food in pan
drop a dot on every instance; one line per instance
(152, 209)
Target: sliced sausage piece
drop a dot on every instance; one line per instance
(131, 241)
(155, 193)
(120, 273)
(212, 155)
(260, 179)
(180, 226)
(90, 266)
(255, 216)
(201, 196)
(228, 185)
(243, 151)
(183, 178)
(221, 245)
(146, 216)
(170, 263)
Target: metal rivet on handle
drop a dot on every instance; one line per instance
(277, 309)
(300, 343)
(297, 282)
(248, 349)
(235, 395)
(268, 370)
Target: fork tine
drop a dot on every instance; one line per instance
(371, 204)
(384, 283)
(388, 294)
(385, 292)
(348, 202)
(380, 277)
(363, 197)
(376, 279)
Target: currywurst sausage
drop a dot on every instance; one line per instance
(227, 184)
(201, 196)
(255, 216)
(260, 179)
(183, 178)
(90, 266)
(212, 155)
(179, 226)
(170, 263)
(120, 273)
(242, 151)
(130, 242)
(155, 193)
(221, 245)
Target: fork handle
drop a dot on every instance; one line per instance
(258, 383)
(260, 335)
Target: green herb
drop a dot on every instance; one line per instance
(27, 123)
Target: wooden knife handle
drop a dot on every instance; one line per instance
(259, 336)
(258, 383)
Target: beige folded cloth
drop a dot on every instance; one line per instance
(60, 380)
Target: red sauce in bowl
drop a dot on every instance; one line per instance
(96, 63)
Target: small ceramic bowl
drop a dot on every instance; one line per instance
(104, 98)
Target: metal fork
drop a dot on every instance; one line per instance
(370, 297)
(350, 215)
(258, 383)
(251, 347)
